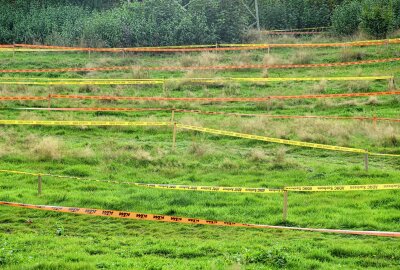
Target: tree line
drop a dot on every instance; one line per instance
(109, 23)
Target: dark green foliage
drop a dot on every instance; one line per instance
(280, 14)
(377, 18)
(147, 23)
(396, 11)
(346, 18)
(111, 23)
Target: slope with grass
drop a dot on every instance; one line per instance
(145, 154)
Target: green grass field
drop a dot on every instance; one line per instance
(31, 239)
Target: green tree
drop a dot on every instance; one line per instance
(346, 18)
(377, 18)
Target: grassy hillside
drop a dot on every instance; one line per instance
(42, 240)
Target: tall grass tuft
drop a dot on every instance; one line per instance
(49, 148)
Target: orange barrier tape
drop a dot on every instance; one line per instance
(228, 99)
(22, 98)
(292, 116)
(184, 220)
(217, 113)
(199, 48)
(215, 47)
(199, 99)
(181, 68)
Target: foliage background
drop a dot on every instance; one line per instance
(165, 22)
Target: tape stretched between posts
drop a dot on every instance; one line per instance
(181, 68)
(48, 81)
(184, 48)
(229, 99)
(292, 33)
(187, 127)
(82, 123)
(273, 140)
(368, 187)
(10, 98)
(344, 187)
(184, 220)
(365, 118)
(299, 29)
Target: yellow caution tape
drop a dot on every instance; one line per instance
(227, 189)
(344, 187)
(82, 123)
(341, 44)
(19, 172)
(113, 82)
(273, 140)
(195, 128)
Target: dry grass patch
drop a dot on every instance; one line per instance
(199, 74)
(142, 155)
(191, 121)
(372, 101)
(139, 73)
(49, 148)
(85, 153)
(302, 58)
(320, 87)
(359, 86)
(100, 62)
(228, 164)
(188, 60)
(348, 55)
(383, 134)
(203, 59)
(199, 149)
(253, 125)
(231, 89)
(87, 88)
(270, 59)
(208, 59)
(257, 155)
(243, 58)
(270, 105)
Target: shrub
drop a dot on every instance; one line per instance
(346, 18)
(144, 23)
(377, 18)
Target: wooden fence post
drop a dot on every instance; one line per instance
(392, 84)
(285, 205)
(366, 161)
(39, 184)
(174, 137)
(49, 101)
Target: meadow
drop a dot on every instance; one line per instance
(31, 239)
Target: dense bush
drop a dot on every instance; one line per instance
(396, 12)
(112, 23)
(377, 18)
(283, 14)
(147, 23)
(346, 18)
